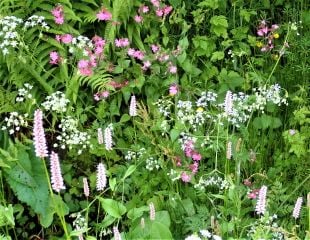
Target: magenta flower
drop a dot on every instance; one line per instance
(185, 177)
(196, 156)
(144, 9)
(54, 57)
(138, 19)
(167, 10)
(172, 69)
(146, 65)
(56, 177)
(261, 201)
(173, 89)
(101, 177)
(122, 42)
(58, 14)
(104, 15)
(39, 135)
(194, 167)
(155, 48)
(296, 211)
(66, 38)
(155, 3)
(159, 12)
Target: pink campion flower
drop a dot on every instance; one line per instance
(83, 63)
(185, 177)
(196, 156)
(167, 10)
(247, 182)
(131, 52)
(86, 71)
(274, 27)
(253, 194)
(155, 3)
(133, 106)
(39, 135)
(262, 31)
(194, 167)
(85, 187)
(84, 67)
(173, 89)
(117, 235)
(97, 97)
(58, 37)
(152, 211)
(172, 69)
(154, 48)
(56, 177)
(159, 12)
(296, 211)
(104, 15)
(146, 65)
(139, 55)
(98, 41)
(58, 14)
(138, 19)
(143, 9)
(66, 38)
(261, 201)
(122, 42)
(105, 94)
(101, 177)
(54, 57)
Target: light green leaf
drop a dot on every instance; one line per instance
(112, 207)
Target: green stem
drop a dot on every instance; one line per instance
(61, 217)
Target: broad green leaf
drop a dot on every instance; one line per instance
(114, 208)
(129, 171)
(137, 212)
(216, 56)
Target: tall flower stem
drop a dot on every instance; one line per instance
(61, 217)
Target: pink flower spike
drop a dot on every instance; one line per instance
(104, 15)
(108, 138)
(296, 211)
(56, 178)
(85, 187)
(100, 136)
(152, 211)
(39, 135)
(101, 177)
(133, 106)
(117, 235)
(261, 201)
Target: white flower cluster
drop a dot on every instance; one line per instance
(206, 97)
(23, 93)
(14, 122)
(187, 113)
(185, 139)
(131, 155)
(164, 106)
(152, 163)
(212, 181)
(266, 226)
(71, 137)
(56, 102)
(203, 235)
(80, 222)
(8, 33)
(34, 21)
(81, 43)
(174, 175)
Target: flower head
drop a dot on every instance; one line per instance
(261, 201)
(56, 177)
(152, 211)
(101, 177)
(104, 15)
(85, 187)
(296, 211)
(39, 135)
(133, 106)
(108, 138)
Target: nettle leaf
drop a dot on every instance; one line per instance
(213, 4)
(219, 26)
(27, 179)
(216, 56)
(204, 46)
